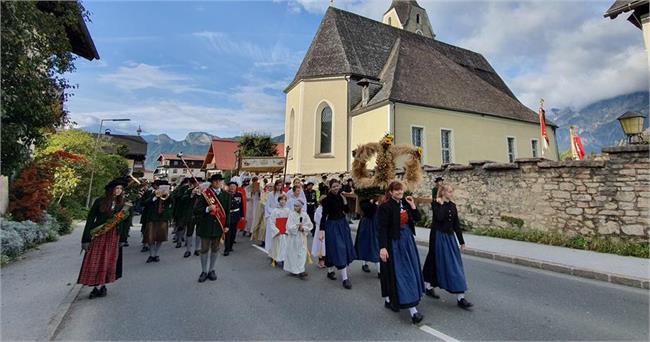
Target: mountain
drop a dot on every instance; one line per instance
(597, 122)
(196, 143)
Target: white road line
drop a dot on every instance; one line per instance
(429, 330)
(260, 248)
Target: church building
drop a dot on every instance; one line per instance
(361, 79)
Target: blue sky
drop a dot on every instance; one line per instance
(221, 66)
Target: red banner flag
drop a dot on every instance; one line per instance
(579, 148)
(542, 123)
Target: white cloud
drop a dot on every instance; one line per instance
(276, 55)
(144, 76)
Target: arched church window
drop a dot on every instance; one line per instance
(417, 18)
(326, 130)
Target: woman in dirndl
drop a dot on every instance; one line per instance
(367, 240)
(448, 271)
(102, 263)
(402, 284)
(339, 249)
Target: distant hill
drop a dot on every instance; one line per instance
(597, 122)
(196, 143)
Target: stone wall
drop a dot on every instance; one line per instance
(607, 197)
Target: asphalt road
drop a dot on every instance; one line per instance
(253, 301)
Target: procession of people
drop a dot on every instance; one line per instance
(281, 217)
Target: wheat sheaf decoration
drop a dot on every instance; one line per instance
(387, 154)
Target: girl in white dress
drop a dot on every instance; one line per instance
(298, 227)
(318, 244)
(271, 203)
(278, 220)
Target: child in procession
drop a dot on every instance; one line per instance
(278, 224)
(318, 244)
(298, 226)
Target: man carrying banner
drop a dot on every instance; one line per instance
(211, 210)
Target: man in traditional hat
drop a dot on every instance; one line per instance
(236, 214)
(180, 208)
(145, 199)
(323, 187)
(190, 197)
(312, 201)
(434, 190)
(211, 227)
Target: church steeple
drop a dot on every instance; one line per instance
(409, 16)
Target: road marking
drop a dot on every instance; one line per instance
(260, 248)
(431, 331)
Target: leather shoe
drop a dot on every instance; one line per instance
(179, 244)
(212, 275)
(417, 318)
(203, 277)
(464, 304)
(331, 275)
(365, 268)
(197, 253)
(347, 284)
(103, 291)
(150, 259)
(226, 253)
(302, 275)
(156, 258)
(431, 293)
(94, 293)
(392, 308)
(187, 254)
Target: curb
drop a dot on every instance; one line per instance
(557, 268)
(553, 267)
(61, 311)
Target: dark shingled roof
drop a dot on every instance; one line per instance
(403, 9)
(80, 40)
(408, 67)
(622, 6)
(135, 144)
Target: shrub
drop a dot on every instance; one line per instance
(63, 217)
(597, 244)
(17, 237)
(12, 243)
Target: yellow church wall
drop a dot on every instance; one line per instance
(369, 127)
(394, 19)
(307, 99)
(474, 136)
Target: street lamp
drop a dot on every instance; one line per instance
(92, 170)
(632, 124)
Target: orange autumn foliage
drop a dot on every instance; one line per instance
(31, 193)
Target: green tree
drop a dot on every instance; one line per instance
(35, 54)
(566, 155)
(257, 145)
(65, 182)
(106, 166)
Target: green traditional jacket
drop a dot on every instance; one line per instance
(184, 206)
(96, 218)
(207, 226)
(159, 210)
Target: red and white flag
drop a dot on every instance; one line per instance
(542, 124)
(577, 145)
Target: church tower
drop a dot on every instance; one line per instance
(408, 15)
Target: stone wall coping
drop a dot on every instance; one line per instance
(571, 163)
(500, 166)
(480, 162)
(460, 167)
(627, 149)
(530, 160)
(429, 168)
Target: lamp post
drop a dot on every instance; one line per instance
(632, 124)
(92, 170)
